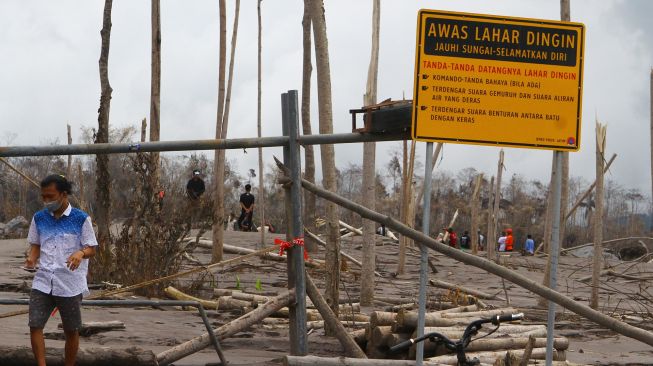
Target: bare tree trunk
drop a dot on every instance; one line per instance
(155, 92)
(143, 130)
(490, 237)
(261, 186)
(80, 184)
(327, 154)
(475, 210)
(495, 209)
(651, 97)
(598, 215)
(548, 228)
(103, 179)
(70, 157)
(403, 206)
(221, 128)
(407, 203)
(369, 171)
(309, 154)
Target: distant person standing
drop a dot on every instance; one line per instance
(246, 209)
(61, 241)
(509, 240)
(195, 186)
(453, 238)
(481, 241)
(465, 240)
(502, 242)
(530, 245)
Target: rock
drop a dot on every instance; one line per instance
(17, 222)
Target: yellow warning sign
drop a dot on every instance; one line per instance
(490, 80)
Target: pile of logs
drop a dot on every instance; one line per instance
(387, 329)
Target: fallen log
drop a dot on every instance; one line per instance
(490, 357)
(496, 344)
(239, 295)
(348, 344)
(322, 243)
(23, 356)
(343, 361)
(352, 229)
(610, 272)
(238, 325)
(467, 290)
(229, 303)
(178, 295)
(231, 249)
(90, 328)
(408, 319)
(378, 318)
(479, 314)
(319, 324)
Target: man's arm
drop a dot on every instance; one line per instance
(33, 255)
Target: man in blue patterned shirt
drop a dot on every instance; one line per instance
(61, 239)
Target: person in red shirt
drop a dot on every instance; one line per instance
(509, 240)
(453, 238)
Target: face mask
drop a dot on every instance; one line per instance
(52, 206)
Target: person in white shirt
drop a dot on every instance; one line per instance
(502, 242)
(61, 240)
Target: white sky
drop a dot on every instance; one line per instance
(49, 53)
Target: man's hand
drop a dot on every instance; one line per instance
(74, 260)
(30, 263)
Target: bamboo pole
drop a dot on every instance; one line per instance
(493, 268)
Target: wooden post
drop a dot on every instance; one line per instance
(651, 97)
(475, 212)
(589, 190)
(598, 215)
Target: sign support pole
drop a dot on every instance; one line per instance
(555, 244)
(423, 264)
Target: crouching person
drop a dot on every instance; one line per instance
(61, 240)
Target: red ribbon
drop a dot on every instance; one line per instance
(284, 245)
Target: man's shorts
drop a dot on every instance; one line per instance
(41, 306)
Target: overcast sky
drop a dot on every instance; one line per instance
(49, 52)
